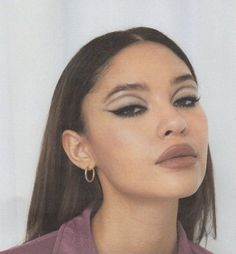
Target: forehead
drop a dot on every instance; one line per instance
(142, 61)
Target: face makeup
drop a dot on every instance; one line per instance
(145, 108)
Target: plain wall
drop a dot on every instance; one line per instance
(37, 40)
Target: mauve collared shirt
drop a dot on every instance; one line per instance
(75, 237)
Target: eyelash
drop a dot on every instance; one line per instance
(130, 108)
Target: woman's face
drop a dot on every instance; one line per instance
(127, 141)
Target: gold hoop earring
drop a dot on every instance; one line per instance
(86, 175)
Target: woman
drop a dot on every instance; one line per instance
(125, 165)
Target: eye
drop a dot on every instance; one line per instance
(129, 111)
(189, 101)
(135, 109)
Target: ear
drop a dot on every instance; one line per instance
(77, 149)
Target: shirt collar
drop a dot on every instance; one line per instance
(76, 235)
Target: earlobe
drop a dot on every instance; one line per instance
(76, 149)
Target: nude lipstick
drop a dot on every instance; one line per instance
(178, 156)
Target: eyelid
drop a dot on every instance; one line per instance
(131, 94)
(186, 86)
(127, 94)
(186, 90)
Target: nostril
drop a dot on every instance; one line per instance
(184, 129)
(168, 132)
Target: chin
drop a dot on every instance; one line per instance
(186, 191)
(186, 186)
(181, 188)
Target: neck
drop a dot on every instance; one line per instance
(124, 225)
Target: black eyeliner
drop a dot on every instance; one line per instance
(121, 111)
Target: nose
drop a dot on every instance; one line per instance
(173, 124)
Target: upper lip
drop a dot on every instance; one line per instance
(177, 150)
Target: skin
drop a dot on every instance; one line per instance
(139, 210)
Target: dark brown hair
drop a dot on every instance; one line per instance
(60, 190)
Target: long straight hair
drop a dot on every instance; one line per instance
(60, 190)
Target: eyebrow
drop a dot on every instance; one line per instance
(144, 87)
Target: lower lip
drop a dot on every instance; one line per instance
(179, 162)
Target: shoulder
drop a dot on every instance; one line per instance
(197, 249)
(186, 246)
(43, 244)
(64, 239)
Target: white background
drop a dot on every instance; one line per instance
(38, 38)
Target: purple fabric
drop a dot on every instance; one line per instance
(75, 237)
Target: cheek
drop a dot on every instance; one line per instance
(119, 153)
(201, 137)
(201, 130)
(114, 143)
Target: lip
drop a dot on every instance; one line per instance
(177, 151)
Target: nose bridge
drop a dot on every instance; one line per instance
(172, 122)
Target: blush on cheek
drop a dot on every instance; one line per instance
(122, 139)
(202, 118)
(110, 133)
(115, 145)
